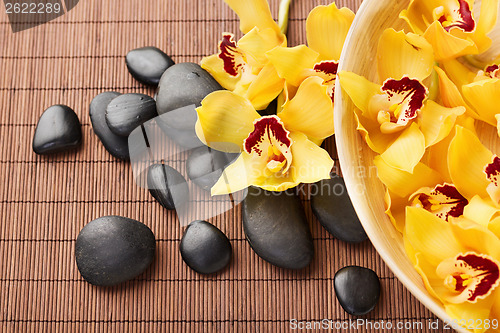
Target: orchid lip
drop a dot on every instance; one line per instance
(270, 141)
(406, 96)
(470, 276)
(459, 18)
(329, 70)
(228, 52)
(493, 71)
(444, 201)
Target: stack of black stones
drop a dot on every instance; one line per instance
(113, 249)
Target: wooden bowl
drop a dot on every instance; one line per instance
(356, 158)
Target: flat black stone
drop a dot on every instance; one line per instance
(332, 206)
(113, 249)
(125, 112)
(167, 186)
(58, 130)
(179, 125)
(116, 145)
(147, 64)
(205, 248)
(182, 85)
(357, 289)
(205, 165)
(276, 227)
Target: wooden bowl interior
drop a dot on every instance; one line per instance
(356, 158)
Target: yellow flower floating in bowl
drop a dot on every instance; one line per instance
(416, 129)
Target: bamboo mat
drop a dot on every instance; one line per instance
(45, 201)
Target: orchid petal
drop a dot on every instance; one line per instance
(264, 88)
(256, 43)
(480, 210)
(225, 120)
(291, 62)
(445, 45)
(359, 89)
(310, 163)
(236, 176)
(458, 73)
(403, 183)
(436, 121)
(450, 96)
(407, 150)
(327, 28)
(395, 209)
(310, 111)
(253, 13)
(484, 98)
(430, 236)
(467, 158)
(370, 130)
(401, 54)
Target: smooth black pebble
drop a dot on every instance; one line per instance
(357, 289)
(116, 145)
(205, 248)
(167, 186)
(276, 227)
(147, 64)
(125, 112)
(205, 165)
(332, 206)
(179, 125)
(58, 130)
(182, 85)
(113, 249)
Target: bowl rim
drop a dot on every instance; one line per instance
(369, 7)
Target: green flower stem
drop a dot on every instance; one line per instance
(283, 15)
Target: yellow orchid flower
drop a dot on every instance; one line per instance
(396, 118)
(482, 94)
(327, 28)
(458, 261)
(474, 169)
(242, 66)
(451, 26)
(276, 152)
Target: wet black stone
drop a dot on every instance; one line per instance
(182, 85)
(205, 165)
(125, 112)
(357, 289)
(113, 249)
(116, 145)
(276, 228)
(167, 186)
(205, 248)
(332, 206)
(179, 125)
(58, 130)
(147, 64)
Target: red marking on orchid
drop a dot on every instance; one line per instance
(466, 23)
(492, 170)
(412, 89)
(454, 199)
(270, 125)
(488, 275)
(492, 71)
(228, 50)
